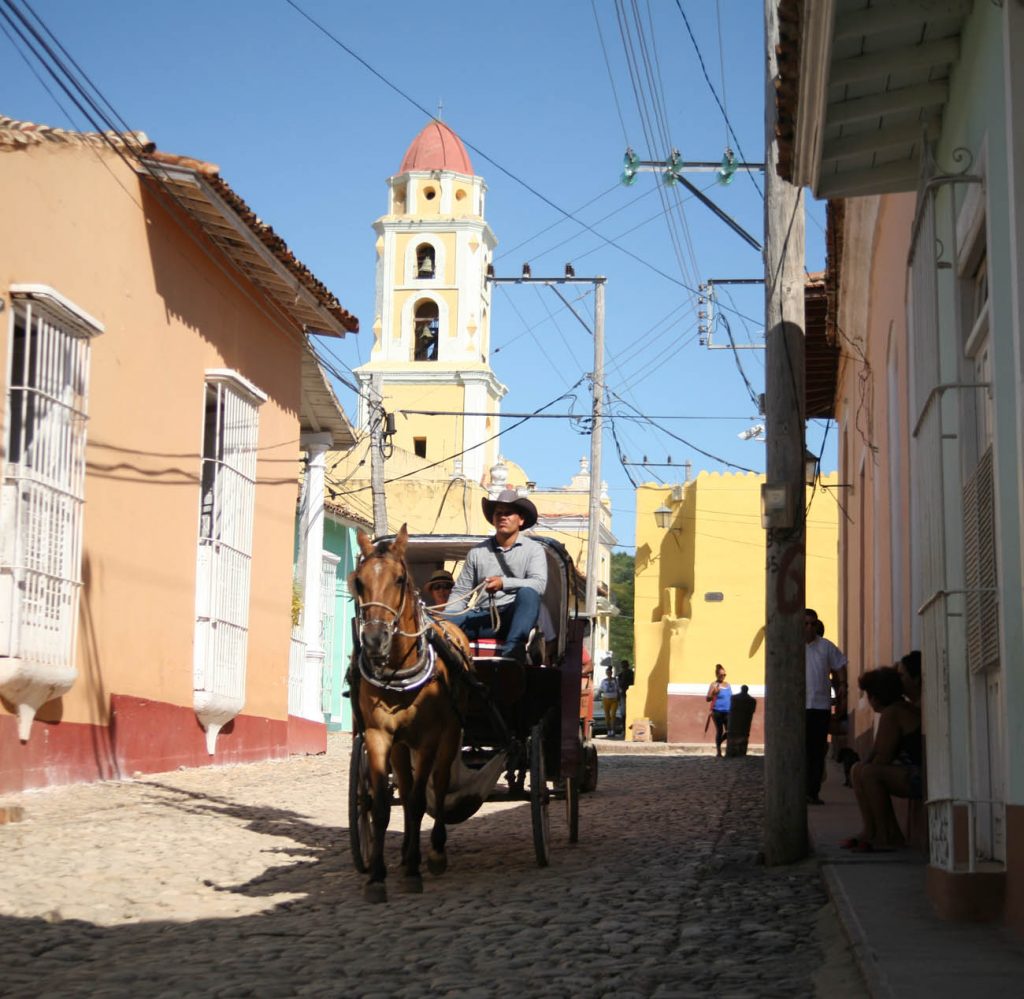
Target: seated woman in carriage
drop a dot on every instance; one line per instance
(511, 568)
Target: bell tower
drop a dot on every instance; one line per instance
(431, 326)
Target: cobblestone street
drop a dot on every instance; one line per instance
(237, 881)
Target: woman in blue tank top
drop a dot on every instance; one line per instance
(719, 701)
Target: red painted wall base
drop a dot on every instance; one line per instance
(306, 737)
(143, 737)
(687, 714)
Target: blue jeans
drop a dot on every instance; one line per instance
(517, 620)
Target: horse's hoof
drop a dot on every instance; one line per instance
(412, 884)
(437, 863)
(375, 891)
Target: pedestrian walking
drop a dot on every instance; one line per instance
(719, 698)
(609, 693)
(625, 678)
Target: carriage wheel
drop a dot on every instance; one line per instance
(360, 807)
(572, 808)
(539, 796)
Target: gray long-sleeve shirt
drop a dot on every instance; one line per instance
(526, 559)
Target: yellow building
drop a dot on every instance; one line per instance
(431, 355)
(700, 597)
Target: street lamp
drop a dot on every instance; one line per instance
(663, 516)
(810, 468)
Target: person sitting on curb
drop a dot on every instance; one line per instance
(892, 768)
(512, 569)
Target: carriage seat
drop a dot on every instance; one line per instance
(487, 648)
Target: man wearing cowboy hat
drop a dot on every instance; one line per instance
(512, 568)
(438, 587)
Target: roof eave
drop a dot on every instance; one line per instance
(817, 21)
(326, 322)
(321, 411)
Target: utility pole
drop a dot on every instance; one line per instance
(785, 824)
(594, 499)
(594, 509)
(380, 508)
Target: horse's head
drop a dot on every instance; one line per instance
(383, 593)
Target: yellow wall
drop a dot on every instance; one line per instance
(443, 433)
(715, 545)
(170, 313)
(422, 499)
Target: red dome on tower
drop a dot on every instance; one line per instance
(437, 147)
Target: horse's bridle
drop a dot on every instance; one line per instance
(374, 672)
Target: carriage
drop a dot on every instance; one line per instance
(525, 728)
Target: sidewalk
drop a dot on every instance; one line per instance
(902, 947)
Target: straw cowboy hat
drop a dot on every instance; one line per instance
(511, 498)
(441, 576)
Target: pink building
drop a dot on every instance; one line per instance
(157, 381)
(908, 119)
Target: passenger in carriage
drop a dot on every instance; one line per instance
(438, 588)
(508, 566)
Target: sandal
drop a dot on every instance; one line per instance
(850, 843)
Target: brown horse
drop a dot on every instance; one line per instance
(405, 703)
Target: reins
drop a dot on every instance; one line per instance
(472, 599)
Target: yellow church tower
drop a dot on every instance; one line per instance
(432, 324)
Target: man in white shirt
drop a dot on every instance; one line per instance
(825, 666)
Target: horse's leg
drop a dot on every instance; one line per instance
(378, 749)
(416, 807)
(437, 859)
(401, 765)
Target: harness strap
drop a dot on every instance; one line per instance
(402, 680)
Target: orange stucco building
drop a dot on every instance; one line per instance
(158, 381)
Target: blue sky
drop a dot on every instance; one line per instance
(543, 94)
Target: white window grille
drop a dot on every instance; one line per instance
(328, 596)
(296, 670)
(42, 490)
(224, 557)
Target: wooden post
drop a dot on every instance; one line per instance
(785, 831)
(380, 509)
(594, 505)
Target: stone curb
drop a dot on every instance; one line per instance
(875, 979)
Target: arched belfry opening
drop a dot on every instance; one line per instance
(425, 261)
(425, 331)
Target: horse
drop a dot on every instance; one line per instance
(407, 705)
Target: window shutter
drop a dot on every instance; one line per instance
(980, 567)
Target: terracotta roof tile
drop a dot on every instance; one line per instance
(16, 135)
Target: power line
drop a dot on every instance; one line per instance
(714, 93)
(682, 440)
(476, 149)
